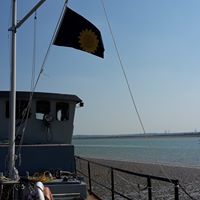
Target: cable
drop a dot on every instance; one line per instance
(123, 69)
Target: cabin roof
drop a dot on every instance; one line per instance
(43, 95)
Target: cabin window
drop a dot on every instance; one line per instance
(21, 109)
(42, 108)
(62, 111)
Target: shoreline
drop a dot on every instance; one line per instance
(136, 135)
(142, 163)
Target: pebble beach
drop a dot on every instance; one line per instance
(136, 187)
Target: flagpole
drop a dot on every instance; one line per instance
(11, 165)
(12, 172)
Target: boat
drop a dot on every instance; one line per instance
(46, 154)
(36, 151)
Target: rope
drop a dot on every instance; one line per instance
(126, 79)
(123, 69)
(43, 177)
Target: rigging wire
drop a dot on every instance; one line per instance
(27, 110)
(123, 70)
(127, 82)
(49, 47)
(130, 91)
(122, 67)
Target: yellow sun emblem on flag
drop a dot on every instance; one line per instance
(88, 41)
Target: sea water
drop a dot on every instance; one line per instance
(178, 151)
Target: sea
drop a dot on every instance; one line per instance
(174, 151)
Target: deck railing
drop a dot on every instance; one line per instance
(86, 171)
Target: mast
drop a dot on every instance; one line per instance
(11, 156)
(12, 172)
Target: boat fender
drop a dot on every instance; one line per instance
(40, 190)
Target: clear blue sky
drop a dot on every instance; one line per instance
(159, 43)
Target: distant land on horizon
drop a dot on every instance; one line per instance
(183, 134)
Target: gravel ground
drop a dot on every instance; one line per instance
(136, 187)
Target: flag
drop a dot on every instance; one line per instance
(77, 32)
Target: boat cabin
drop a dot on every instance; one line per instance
(48, 119)
(48, 123)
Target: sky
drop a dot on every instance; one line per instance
(159, 45)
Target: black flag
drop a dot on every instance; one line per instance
(77, 32)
